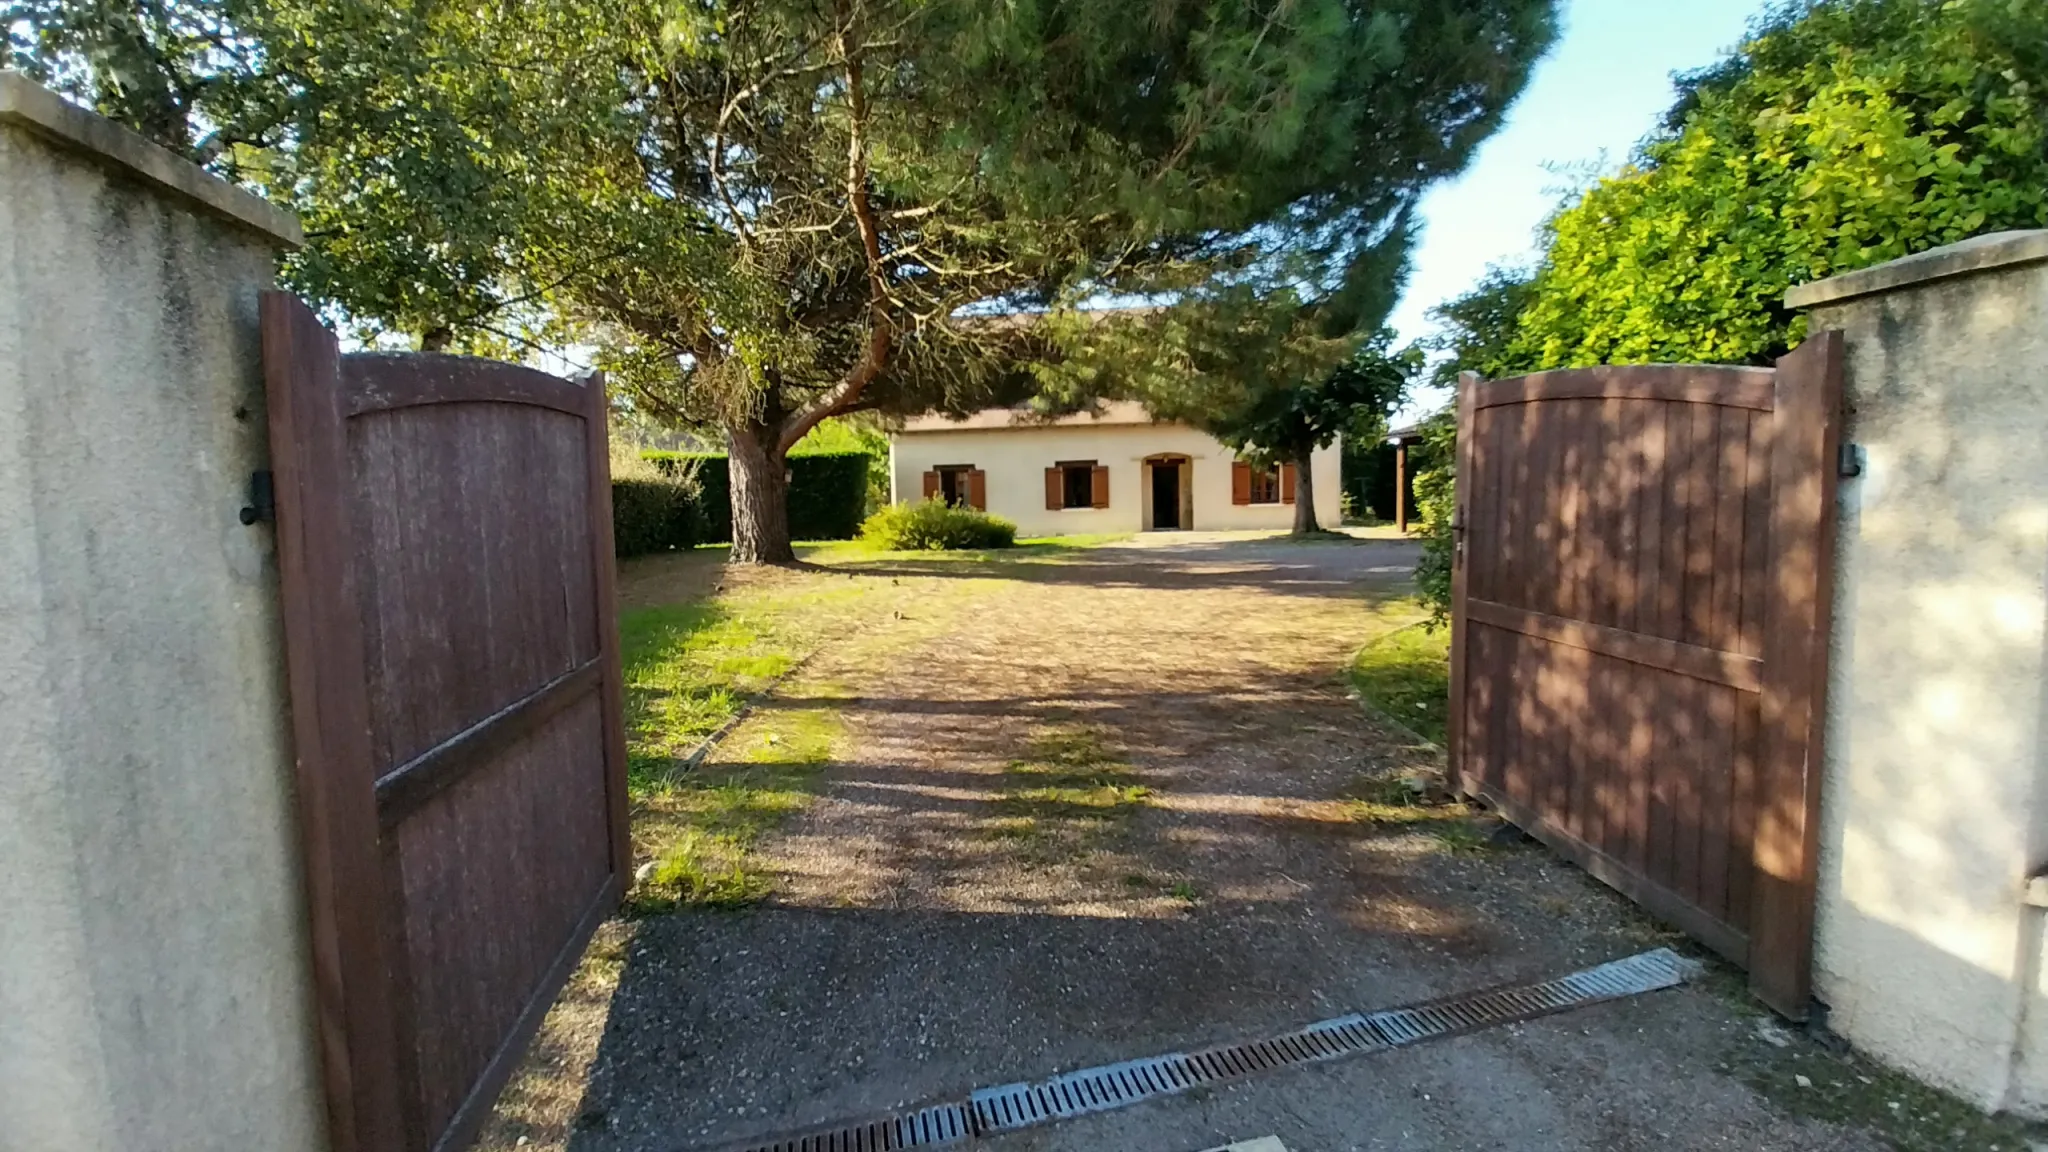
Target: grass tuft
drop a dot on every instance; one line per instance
(1067, 791)
(1406, 676)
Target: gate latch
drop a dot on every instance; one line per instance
(262, 504)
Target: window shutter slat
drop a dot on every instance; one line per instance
(1240, 482)
(977, 489)
(1100, 487)
(931, 484)
(1287, 483)
(1055, 493)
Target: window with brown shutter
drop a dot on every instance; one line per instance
(1287, 483)
(1249, 485)
(1076, 484)
(959, 485)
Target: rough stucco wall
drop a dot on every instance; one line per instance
(153, 980)
(1016, 459)
(1934, 790)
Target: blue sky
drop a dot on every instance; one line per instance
(1599, 91)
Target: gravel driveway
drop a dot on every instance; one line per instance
(1113, 810)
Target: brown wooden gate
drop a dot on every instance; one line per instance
(444, 534)
(1640, 634)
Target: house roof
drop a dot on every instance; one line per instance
(1112, 412)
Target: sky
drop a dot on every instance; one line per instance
(1601, 89)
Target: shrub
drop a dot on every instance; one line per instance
(652, 516)
(934, 526)
(828, 492)
(1842, 134)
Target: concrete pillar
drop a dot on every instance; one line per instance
(1935, 809)
(154, 983)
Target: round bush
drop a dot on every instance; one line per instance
(934, 526)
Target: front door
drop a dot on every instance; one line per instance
(1166, 495)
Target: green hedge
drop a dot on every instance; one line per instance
(653, 516)
(828, 493)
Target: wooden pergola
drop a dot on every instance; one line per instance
(1400, 438)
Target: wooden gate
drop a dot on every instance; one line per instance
(1640, 614)
(444, 534)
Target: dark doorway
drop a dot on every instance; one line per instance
(1165, 496)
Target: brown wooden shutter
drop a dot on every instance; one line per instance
(1287, 483)
(931, 485)
(1240, 482)
(1099, 486)
(977, 490)
(1055, 490)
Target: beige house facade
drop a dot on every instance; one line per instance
(1112, 470)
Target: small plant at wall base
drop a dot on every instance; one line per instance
(934, 526)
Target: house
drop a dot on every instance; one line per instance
(1111, 470)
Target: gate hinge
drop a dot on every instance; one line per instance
(1849, 460)
(262, 504)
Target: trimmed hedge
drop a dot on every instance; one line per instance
(653, 516)
(935, 526)
(828, 493)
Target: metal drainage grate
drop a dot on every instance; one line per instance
(1647, 972)
(1013, 1106)
(924, 1128)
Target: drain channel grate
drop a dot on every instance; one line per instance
(1012, 1106)
(1647, 972)
(924, 1128)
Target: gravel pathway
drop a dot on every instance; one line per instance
(1109, 812)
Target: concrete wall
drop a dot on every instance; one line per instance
(1935, 805)
(1016, 459)
(154, 987)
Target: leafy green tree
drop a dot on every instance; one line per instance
(763, 214)
(1287, 423)
(1843, 133)
(1476, 331)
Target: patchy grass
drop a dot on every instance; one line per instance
(1066, 792)
(1406, 675)
(1037, 547)
(1802, 1077)
(700, 831)
(1415, 803)
(691, 667)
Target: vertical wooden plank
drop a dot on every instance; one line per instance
(1629, 484)
(1700, 473)
(1756, 535)
(604, 572)
(1806, 437)
(1503, 456)
(1731, 487)
(1715, 794)
(1742, 813)
(324, 664)
(1467, 502)
(1656, 597)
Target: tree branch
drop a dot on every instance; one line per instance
(881, 326)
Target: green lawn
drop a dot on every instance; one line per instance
(1406, 674)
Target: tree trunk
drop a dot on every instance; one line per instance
(1305, 523)
(758, 471)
